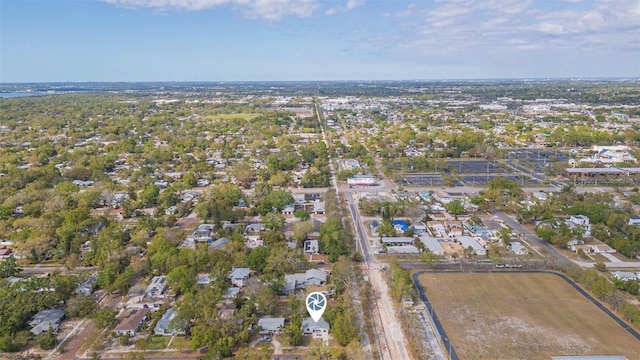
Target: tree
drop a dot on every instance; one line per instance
(273, 221)
(344, 328)
(280, 198)
(455, 207)
(105, 317)
(47, 340)
(302, 214)
(9, 268)
(80, 306)
(257, 259)
(386, 229)
(301, 229)
(149, 195)
(182, 278)
(600, 266)
(428, 258)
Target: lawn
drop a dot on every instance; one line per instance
(522, 316)
(156, 342)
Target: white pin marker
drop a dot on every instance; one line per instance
(316, 304)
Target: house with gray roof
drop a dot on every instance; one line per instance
(164, 326)
(270, 326)
(86, 287)
(45, 320)
(310, 327)
(157, 287)
(239, 276)
(311, 247)
(432, 244)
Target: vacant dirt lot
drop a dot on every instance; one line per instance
(522, 316)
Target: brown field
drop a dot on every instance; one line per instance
(522, 316)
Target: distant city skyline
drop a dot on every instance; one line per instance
(316, 40)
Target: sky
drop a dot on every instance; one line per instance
(297, 40)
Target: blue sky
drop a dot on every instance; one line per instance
(255, 40)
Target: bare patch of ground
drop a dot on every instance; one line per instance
(522, 316)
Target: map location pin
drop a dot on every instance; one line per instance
(316, 304)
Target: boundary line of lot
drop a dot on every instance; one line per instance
(443, 335)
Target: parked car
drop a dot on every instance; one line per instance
(265, 339)
(500, 266)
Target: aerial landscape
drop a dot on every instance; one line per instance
(279, 179)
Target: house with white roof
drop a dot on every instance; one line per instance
(624, 275)
(580, 220)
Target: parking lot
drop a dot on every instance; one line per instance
(475, 167)
(420, 179)
(472, 180)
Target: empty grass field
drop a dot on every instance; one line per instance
(522, 316)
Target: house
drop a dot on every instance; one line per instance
(403, 249)
(81, 183)
(432, 244)
(446, 197)
(219, 244)
(419, 228)
(203, 232)
(310, 327)
(315, 277)
(516, 248)
(239, 276)
(299, 281)
(318, 207)
(86, 287)
(634, 220)
(45, 320)
(132, 322)
(311, 247)
(469, 242)
(624, 275)
(580, 220)
(203, 279)
(203, 182)
(397, 240)
(254, 228)
(270, 326)
(157, 287)
(289, 209)
(231, 293)
(164, 326)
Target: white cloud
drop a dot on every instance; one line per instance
(271, 10)
(350, 5)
